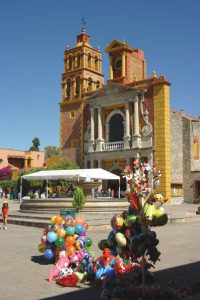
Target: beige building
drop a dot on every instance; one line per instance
(21, 159)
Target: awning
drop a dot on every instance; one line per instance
(75, 174)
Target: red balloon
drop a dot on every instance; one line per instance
(68, 280)
(85, 225)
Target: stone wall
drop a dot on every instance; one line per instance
(176, 150)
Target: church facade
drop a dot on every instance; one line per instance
(109, 125)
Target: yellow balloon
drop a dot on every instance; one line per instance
(61, 232)
(120, 239)
(41, 248)
(53, 219)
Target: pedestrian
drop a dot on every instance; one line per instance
(1, 192)
(5, 210)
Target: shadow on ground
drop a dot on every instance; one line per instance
(182, 276)
(89, 293)
(41, 260)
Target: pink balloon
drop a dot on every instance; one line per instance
(43, 239)
(60, 264)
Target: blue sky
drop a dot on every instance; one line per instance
(33, 36)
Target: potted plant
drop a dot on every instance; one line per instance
(79, 199)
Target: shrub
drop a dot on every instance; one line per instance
(79, 199)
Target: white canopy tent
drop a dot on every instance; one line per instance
(75, 174)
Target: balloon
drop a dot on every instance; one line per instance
(61, 263)
(120, 239)
(103, 244)
(59, 241)
(61, 232)
(111, 240)
(70, 250)
(79, 244)
(85, 225)
(70, 240)
(79, 220)
(56, 252)
(58, 220)
(83, 232)
(68, 280)
(130, 220)
(48, 254)
(53, 219)
(41, 248)
(69, 221)
(82, 238)
(62, 253)
(69, 230)
(56, 227)
(46, 230)
(51, 236)
(78, 228)
(88, 242)
(117, 221)
(43, 239)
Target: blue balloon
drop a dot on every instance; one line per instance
(48, 254)
(78, 228)
(51, 236)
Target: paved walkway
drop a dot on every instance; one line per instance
(23, 270)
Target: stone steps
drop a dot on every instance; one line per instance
(96, 221)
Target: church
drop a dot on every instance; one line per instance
(109, 125)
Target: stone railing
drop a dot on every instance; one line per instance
(112, 146)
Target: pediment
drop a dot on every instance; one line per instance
(112, 90)
(114, 44)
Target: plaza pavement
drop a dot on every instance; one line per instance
(23, 271)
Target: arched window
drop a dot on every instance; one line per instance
(97, 85)
(89, 84)
(78, 60)
(116, 128)
(68, 88)
(70, 62)
(196, 147)
(78, 85)
(96, 63)
(89, 60)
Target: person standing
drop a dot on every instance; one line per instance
(1, 192)
(5, 210)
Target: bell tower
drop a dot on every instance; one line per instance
(127, 64)
(82, 75)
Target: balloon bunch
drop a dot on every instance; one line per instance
(131, 238)
(65, 242)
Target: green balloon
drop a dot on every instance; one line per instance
(130, 220)
(103, 244)
(59, 241)
(88, 242)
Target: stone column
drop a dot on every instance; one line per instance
(99, 163)
(91, 164)
(127, 127)
(100, 140)
(136, 139)
(123, 65)
(111, 67)
(92, 123)
(136, 117)
(91, 141)
(99, 123)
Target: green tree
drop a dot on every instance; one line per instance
(50, 151)
(78, 199)
(36, 144)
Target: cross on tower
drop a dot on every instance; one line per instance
(83, 21)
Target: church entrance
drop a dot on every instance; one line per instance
(116, 128)
(114, 184)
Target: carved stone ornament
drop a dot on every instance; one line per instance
(147, 128)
